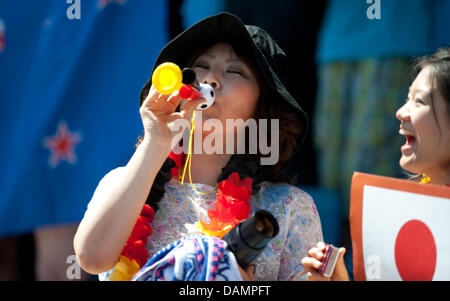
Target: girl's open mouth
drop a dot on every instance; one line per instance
(410, 140)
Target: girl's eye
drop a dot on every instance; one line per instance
(420, 101)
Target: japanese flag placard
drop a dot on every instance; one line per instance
(400, 229)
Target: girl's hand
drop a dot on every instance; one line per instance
(313, 263)
(158, 114)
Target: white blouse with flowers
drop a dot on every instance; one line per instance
(181, 207)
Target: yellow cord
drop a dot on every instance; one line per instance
(188, 160)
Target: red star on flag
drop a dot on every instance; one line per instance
(62, 145)
(2, 36)
(103, 3)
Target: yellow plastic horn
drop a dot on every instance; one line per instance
(167, 78)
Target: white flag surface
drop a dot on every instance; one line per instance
(400, 230)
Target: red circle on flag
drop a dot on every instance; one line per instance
(415, 252)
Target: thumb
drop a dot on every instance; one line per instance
(340, 272)
(340, 260)
(342, 252)
(189, 106)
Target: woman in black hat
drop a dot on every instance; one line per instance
(245, 67)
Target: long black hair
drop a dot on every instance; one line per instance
(439, 63)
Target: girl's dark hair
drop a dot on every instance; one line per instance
(247, 165)
(439, 62)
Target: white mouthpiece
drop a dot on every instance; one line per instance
(207, 93)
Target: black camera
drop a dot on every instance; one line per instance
(248, 239)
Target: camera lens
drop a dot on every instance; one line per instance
(259, 230)
(249, 238)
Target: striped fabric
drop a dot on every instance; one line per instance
(195, 257)
(355, 128)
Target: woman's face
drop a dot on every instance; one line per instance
(426, 129)
(236, 88)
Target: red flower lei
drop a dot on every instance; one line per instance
(135, 246)
(232, 206)
(134, 254)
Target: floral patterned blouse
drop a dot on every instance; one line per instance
(181, 207)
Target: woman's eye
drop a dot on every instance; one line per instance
(236, 72)
(201, 66)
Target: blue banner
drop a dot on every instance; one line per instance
(70, 76)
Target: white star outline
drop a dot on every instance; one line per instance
(61, 145)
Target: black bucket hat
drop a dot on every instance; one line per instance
(260, 48)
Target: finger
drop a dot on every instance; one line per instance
(163, 103)
(247, 274)
(316, 253)
(190, 106)
(174, 99)
(302, 273)
(311, 264)
(151, 96)
(251, 268)
(321, 245)
(340, 272)
(174, 116)
(342, 252)
(250, 271)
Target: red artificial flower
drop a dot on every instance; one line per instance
(148, 212)
(234, 187)
(136, 250)
(231, 206)
(221, 215)
(135, 246)
(141, 229)
(239, 209)
(178, 159)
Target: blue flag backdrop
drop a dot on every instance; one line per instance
(70, 76)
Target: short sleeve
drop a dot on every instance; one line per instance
(304, 231)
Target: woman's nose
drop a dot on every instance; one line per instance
(212, 79)
(213, 84)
